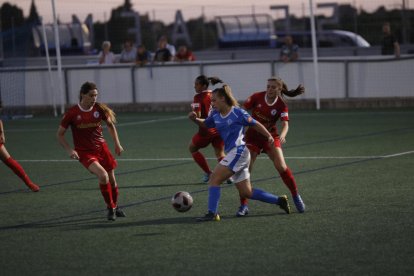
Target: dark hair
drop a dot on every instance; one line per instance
(205, 81)
(88, 86)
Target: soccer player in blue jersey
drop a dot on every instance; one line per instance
(230, 121)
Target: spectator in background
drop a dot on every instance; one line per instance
(390, 45)
(106, 56)
(289, 50)
(184, 54)
(170, 47)
(163, 54)
(129, 53)
(143, 56)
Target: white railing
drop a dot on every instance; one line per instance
(340, 78)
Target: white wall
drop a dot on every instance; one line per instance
(364, 78)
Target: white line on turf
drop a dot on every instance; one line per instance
(211, 158)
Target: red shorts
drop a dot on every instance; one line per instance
(201, 141)
(257, 143)
(102, 156)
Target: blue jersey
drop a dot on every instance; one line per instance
(231, 126)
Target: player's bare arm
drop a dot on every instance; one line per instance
(114, 134)
(193, 117)
(62, 141)
(283, 133)
(2, 135)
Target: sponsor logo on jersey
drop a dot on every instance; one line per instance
(273, 112)
(96, 114)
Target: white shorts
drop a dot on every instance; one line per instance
(238, 160)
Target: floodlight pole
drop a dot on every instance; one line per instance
(315, 55)
(59, 59)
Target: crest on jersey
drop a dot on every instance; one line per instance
(96, 114)
(79, 117)
(273, 112)
(259, 106)
(229, 121)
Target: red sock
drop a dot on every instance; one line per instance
(107, 194)
(289, 181)
(115, 194)
(201, 161)
(243, 201)
(18, 170)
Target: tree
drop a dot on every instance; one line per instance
(34, 17)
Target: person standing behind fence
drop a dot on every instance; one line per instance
(390, 45)
(13, 164)
(184, 54)
(91, 149)
(143, 56)
(289, 50)
(106, 56)
(129, 53)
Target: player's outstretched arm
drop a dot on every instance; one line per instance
(193, 117)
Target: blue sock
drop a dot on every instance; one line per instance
(213, 198)
(264, 196)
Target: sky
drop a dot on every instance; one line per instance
(165, 10)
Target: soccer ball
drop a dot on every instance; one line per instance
(182, 201)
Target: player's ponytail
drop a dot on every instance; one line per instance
(205, 81)
(285, 91)
(226, 92)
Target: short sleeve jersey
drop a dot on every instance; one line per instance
(231, 126)
(86, 127)
(266, 113)
(202, 106)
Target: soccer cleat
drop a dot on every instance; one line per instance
(284, 204)
(243, 211)
(111, 214)
(119, 212)
(206, 177)
(210, 216)
(229, 180)
(33, 187)
(300, 205)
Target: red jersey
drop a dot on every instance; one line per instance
(267, 113)
(86, 127)
(202, 106)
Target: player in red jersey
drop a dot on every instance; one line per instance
(201, 106)
(13, 164)
(90, 147)
(268, 107)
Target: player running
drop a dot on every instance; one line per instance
(13, 164)
(268, 107)
(230, 121)
(202, 106)
(91, 148)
